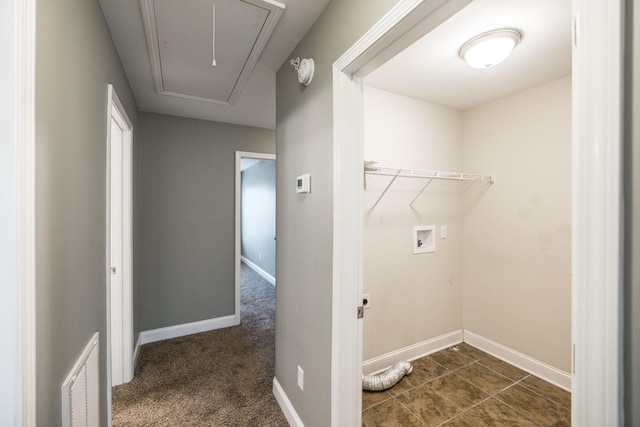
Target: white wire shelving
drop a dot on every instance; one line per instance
(371, 168)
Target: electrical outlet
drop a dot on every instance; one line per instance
(260, 255)
(443, 231)
(366, 301)
(300, 378)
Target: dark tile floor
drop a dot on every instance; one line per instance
(463, 386)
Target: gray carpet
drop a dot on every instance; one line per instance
(217, 378)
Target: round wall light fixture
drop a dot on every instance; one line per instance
(489, 49)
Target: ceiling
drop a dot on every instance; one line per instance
(176, 80)
(167, 56)
(431, 69)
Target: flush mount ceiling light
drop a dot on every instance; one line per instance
(491, 48)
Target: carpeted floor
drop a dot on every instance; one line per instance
(217, 378)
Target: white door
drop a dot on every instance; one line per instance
(120, 245)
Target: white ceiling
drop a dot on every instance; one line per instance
(255, 105)
(431, 69)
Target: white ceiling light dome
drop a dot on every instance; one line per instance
(489, 49)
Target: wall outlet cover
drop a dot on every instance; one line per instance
(366, 301)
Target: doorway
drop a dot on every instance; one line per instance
(120, 242)
(596, 126)
(255, 238)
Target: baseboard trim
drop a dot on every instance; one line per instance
(269, 278)
(136, 351)
(285, 405)
(540, 369)
(176, 331)
(412, 352)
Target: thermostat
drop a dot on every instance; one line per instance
(303, 184)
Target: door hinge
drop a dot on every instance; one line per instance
(360, 312)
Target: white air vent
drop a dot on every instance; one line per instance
(81, 390)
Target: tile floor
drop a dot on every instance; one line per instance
(467, 388)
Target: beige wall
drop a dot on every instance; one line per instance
(508, 248)
(517, 234)
(414, 297)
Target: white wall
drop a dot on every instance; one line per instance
(508, 249)
(517, 235)
(413, 297)
(9, 225)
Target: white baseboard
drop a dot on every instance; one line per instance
(269, 278)
(540, 369)
(285, 404)
(412, 352)
(187, 329)
(136, 351)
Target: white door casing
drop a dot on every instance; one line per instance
(238, 220)
(596, 192)
(18, 127)
(120, 242)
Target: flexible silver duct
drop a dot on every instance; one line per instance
(387, 379)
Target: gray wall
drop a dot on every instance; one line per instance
(75, 60)
(632, 221)
(259, 215)
(186, 214)
(304, 128)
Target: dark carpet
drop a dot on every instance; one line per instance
(216, 378)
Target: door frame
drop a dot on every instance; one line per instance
(238, 219)
(115, 110)
(596, 177)
(19, 73)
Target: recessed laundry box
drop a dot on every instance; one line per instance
(424, 239)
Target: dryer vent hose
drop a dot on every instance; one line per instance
(387, 379)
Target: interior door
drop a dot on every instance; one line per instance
(116, 253)
(120, 251)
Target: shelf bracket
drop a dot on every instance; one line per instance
(422, 191)
(386, 189)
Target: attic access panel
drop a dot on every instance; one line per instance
(180, 38)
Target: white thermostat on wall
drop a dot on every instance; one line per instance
(303, 184)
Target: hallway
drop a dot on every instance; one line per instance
(217, 378)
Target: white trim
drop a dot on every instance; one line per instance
(69, 397)
(176, 331)
(136, 351)
(596, 207)
(255, 267)
(285, 405)
(238, 220)
(412, 352)
(116, 110)
(147, 7)
(396, 30)
(26, 66)
(526, 363)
